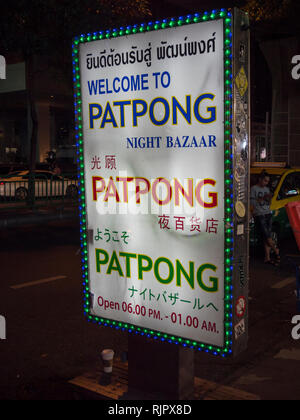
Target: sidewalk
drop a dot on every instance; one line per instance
(270, 368)
(274, 373)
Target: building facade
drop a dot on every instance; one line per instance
(51, 90)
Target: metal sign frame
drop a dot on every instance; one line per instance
(236, 167)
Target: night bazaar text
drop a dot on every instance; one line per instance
(163, 269)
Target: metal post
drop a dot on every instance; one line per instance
(241, 170)
(267, 136)
(289, 132)
(160, 370)
(273, 123)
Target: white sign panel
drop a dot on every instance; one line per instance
(152, 107)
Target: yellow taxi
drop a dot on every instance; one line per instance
(285, 188)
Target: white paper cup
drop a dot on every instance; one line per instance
(107, 356)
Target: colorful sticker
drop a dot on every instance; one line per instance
(241, 82)
(240, 329)
(240, 307)
(240, 209)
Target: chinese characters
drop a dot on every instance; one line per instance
(110, 162)
(191, 224)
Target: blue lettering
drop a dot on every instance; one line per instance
(135, 112)
(169, 141)
(203, 142)
(117, 90)
(194, 142)
(145, 82)
(101, 87)
(95, 116)
(156, 79)
(108, 117)
(177, 142)
(125, 88)
(122, 105)
(135, 83)
(93, 87)
(130, 143)
(212, 141)
(107, 87)
(165, 85)
(185, 113)
(211, 110)
(167, 111)
(141, 142)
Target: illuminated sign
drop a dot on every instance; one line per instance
(154, 117)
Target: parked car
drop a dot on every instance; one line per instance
(285, 187)
(47, 185)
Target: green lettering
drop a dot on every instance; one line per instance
(213, 280)
(171, 270)
(114, 265)
(100, 262)
(189, 277)
(128, 267)
(141, 267)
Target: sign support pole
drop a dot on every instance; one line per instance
(160, 369)
(241, 179)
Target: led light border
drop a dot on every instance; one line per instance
(226, 15)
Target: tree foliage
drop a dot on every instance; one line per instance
(268, 10)
(39, 25)
(46, 28)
